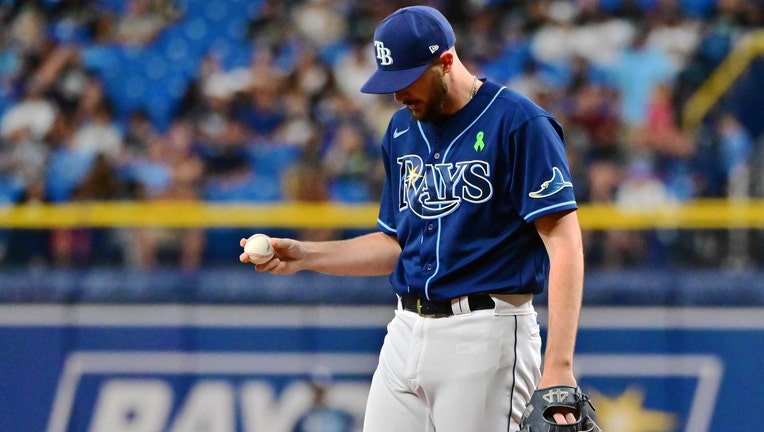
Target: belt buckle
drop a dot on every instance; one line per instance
(426, 315)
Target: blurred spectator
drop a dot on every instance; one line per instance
(641, 190)
(311, 76)
(353, 173)
(139, 132)
(99, 135)
(34, 113)
(600, 40)
(529, 83)
(321, 22)
(143, 20)
(321, 417)
(66, 166)
(23, 158)
(27, 30)
(297, 127)
(170, 170)
(306, 181)
(352, 70)
(672, 33)
(737, 151)
(661, 133)
(636, 74)
(261, 110)
(87, 246)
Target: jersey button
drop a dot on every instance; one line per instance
(436, 155)
(429, 266)
(429, 227)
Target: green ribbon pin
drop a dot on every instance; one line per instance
(479, 144)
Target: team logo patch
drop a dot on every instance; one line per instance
(383, 54)
(551, 186)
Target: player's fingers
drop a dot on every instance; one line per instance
(242, 242)
(282, 243)
(243, 257)
(559, 418)
(272, 266)
(570, 418)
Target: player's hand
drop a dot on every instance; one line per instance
(287, 254)
(553, 377)
(564, 418)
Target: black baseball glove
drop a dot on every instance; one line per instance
(538, 415)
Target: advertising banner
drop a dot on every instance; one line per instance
(263, 368)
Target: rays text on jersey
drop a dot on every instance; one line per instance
(434, 190)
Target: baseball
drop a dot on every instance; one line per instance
(259, 248)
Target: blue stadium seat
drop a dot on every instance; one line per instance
(65, 170)
(349, 191)
(11, 189)
(253, 189)
(272, 160)
(154, 177)
(333, 53)
(100, 57)
(509, 63)
(698, 8)
(116, 6)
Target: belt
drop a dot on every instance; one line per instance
(444, 308)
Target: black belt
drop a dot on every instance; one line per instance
(443, 308)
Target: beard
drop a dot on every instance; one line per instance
(433, 108)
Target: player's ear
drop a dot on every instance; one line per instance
(447, 61)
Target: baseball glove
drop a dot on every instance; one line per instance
(545, 402)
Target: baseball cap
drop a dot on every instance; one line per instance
(404, 44)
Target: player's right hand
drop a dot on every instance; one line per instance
(287, 254)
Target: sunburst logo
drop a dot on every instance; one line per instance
(627, 413)
(412, 176)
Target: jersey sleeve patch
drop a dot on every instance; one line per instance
(551, 186)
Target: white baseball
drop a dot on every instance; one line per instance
(259, 248)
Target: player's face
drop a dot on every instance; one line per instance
(426, 96)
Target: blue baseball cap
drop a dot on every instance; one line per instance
(404, 44)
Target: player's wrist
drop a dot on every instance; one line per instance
(556, 376)
(558, 362)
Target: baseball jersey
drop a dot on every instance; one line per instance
(461, 196)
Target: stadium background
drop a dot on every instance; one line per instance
(140, 139)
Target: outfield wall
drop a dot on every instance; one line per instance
(111, 350)
(245, 368)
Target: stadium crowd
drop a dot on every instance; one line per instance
(259, 101)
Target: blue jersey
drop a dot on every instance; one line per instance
(461, 196)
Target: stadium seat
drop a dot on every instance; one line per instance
(11, 189)
(65, 170)
(273, 159)
(349, 191)
(254, 188)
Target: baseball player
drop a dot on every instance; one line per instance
(477, 215)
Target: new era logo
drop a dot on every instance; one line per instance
(434, 48)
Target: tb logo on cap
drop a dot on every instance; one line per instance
(383, 54)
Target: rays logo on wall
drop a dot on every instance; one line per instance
(211, 391)
(630, 392)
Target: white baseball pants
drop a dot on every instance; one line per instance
(473, 372)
